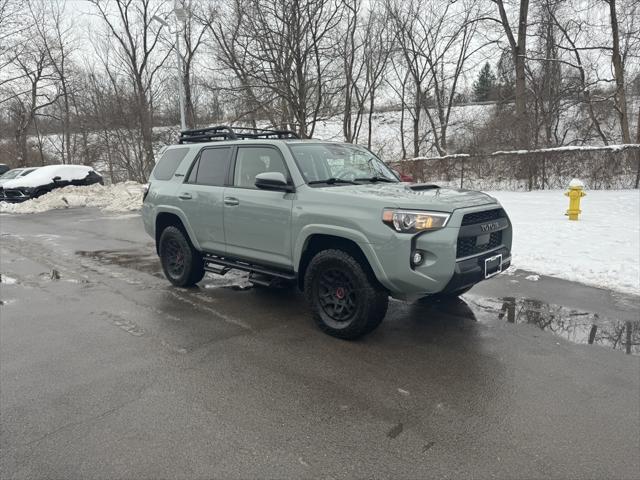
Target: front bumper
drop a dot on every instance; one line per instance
(13, 196)
(471, 271)
(447, 266)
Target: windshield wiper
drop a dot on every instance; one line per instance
(374, 179)
(331, 181)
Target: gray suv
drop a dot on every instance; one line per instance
(330, 217)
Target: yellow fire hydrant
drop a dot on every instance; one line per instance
(575, 193)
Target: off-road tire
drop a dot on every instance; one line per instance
(364, 301)
(182, 264)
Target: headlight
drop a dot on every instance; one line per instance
(412, 221)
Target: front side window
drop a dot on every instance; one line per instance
(331, 163)
(211, 167)
(252, 161)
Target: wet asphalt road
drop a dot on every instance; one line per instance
(108, 372)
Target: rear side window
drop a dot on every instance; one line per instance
(211, 167)
(167, 165)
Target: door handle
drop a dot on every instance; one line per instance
(231, 201)
(185, 196)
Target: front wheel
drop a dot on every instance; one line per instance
(345, 300)
(182, 264)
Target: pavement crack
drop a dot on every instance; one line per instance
(87, 420)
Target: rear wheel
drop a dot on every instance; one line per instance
(345, 300)
(182, 264)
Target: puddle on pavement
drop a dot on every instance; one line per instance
(6, 279)
(147, 263)
(150, 263)
(571, 324)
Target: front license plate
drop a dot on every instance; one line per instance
(492, 266)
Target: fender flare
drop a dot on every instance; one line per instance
(355, 236)
(183, 218)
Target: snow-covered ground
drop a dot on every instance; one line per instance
(601, 249)
(121, 197)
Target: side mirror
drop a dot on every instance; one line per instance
(273, 181)
(56, 179)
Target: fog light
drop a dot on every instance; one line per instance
(416, 257)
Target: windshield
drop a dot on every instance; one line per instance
(12, 173)
(339, 163)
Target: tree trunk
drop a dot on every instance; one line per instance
(618, 69)
(638, 150)
(372, 99)
(190, 112)
(416, 122)
(521, 86)
(146, 128)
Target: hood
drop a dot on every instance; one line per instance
(44, 176)
(417, 196)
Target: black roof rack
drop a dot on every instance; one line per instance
(225, 132)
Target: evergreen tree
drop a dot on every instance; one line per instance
(483, 88)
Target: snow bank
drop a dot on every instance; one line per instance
(600, 249)
(121, 197)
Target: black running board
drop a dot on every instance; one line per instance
(221, 265)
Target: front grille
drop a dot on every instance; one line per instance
(467, 246)
(12, 194)
(484, 216)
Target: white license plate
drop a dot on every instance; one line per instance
(492, 266)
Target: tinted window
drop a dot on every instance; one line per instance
(167, 165)
(211, 167)
(254, 160)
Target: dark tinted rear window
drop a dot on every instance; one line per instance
(211, 168)
(167, 165)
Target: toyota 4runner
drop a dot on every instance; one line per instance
(331, 217)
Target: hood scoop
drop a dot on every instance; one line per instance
(419, 187)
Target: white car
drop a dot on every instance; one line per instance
(15, 173)
(44, 179)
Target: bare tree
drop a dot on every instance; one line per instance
(518, 45)
(291, 56)
(618, 69)
(32, 85)
(192, 35)
(449, 37)
(55, 35)
(349, 49)
(411, 43)
(130, 25)
(231, 50)
(570, 31)
(376, 53)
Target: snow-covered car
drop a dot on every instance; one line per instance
(15, 173)
(45, 179)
